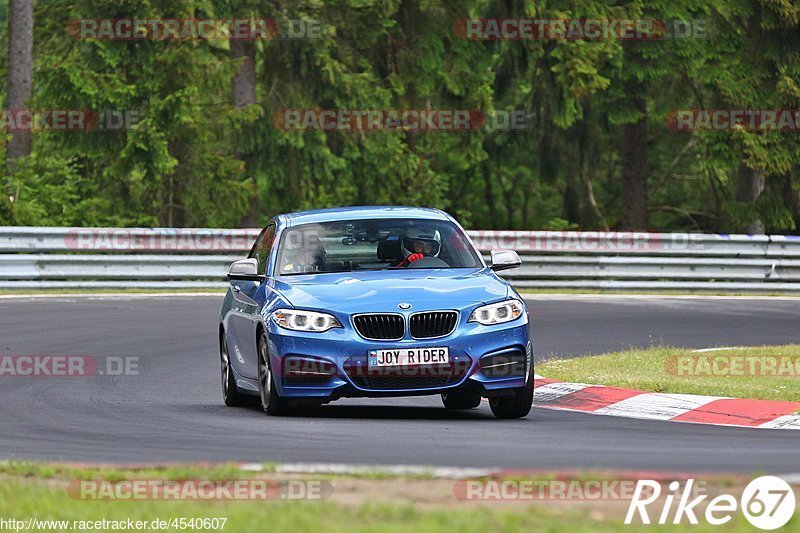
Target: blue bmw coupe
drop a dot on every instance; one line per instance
(373, 302)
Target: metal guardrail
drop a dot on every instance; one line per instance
(24, 239)
(37, 257)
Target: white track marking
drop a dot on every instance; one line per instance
(656, 406)
(553, 391)
(398, 470)
(783, 422)
(650, 406)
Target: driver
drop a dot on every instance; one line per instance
(417, 243)
(310, 257)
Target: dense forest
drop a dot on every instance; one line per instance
(598, 149)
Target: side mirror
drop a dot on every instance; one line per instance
(245, 270)
(505, 260)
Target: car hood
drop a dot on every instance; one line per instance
(383, 290)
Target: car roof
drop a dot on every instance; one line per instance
(361, 213)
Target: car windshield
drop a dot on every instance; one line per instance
(376, 244)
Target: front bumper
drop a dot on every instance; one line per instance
(332, 365)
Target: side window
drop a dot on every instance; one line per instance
(256, 244)
(264, 247)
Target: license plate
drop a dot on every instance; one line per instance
(409, 356)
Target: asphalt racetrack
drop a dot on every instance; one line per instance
(172, 411)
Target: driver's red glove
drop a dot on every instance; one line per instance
(410, 259)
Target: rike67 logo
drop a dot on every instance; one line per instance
(767, 502)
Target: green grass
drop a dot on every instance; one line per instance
(219, 471)
(649, 370)
(179, 472)
(21, 498)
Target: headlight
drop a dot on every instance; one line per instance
(297, 320)
(497, 313)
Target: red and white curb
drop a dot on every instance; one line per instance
(615, 401)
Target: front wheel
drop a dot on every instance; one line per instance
(516, 406)
(271, 402)
(230, 392)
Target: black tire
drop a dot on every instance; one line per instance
(516, 406)
(271, 402)
(230, 392)
(461, 399)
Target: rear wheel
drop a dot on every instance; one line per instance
(516, 406)
(230, 393)
(461, 399)
(272, 403)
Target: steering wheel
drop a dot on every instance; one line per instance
(428, 262)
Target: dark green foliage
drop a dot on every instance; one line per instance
(196, 160)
